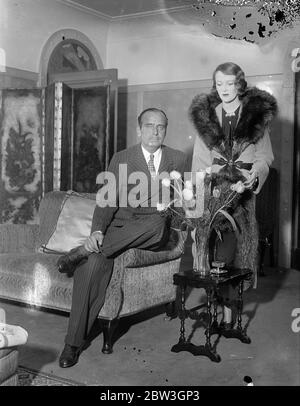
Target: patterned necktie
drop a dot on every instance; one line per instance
(151, 166)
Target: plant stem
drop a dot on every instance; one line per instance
(222, 207)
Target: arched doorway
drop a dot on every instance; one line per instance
(66, 51)
(80, 112)
(70, 56)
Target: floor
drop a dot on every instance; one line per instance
(142, 355)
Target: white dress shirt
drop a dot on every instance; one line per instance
(157, 157)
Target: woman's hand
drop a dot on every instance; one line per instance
(94, 242)
(252, 180)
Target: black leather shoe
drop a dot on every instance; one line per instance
(67, 263)
(69, 356)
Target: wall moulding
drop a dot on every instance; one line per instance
(13, 78)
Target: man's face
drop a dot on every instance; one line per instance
(153, 130)
(226, 88)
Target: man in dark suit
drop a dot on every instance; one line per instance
(129, 220)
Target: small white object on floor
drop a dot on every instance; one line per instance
(248, 381)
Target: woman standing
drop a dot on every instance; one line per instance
(233, 124)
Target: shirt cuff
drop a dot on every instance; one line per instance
(97, 231)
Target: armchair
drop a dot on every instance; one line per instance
(140, 280)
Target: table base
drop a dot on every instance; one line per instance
(197, 350)
(211, 285)
(230, 333)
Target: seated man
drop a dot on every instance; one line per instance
(118, 226)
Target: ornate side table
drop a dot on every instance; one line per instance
(211, 284)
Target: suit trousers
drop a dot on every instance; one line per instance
(92, 276)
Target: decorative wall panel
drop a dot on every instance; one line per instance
(80, 128)
(21, 135)
(90, 136)
(81, 137)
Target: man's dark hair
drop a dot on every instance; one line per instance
(154, 110)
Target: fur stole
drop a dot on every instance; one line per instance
(258, 109)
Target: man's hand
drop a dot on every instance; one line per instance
(252, 180)
(94, 242)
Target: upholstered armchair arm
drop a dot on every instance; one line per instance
(135, 258)
(19, 238)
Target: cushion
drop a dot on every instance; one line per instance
(73, 225)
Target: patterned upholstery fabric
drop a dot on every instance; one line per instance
(140, 279)
(18, 237)
(33, 278)
(8, 366)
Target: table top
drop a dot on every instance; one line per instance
(197, 280)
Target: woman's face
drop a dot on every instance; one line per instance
(226, 88)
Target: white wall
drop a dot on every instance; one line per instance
(26, 25)
(145, 50)
(164, 48)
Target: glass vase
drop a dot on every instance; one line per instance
(200, 252)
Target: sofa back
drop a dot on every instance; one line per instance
(49, 211)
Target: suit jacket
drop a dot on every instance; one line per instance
(134, 165)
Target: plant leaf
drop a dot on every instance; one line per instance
(230, 218)
(219, 235)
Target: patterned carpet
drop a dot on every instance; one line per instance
(28, 377)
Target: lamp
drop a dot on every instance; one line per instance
(251, 20)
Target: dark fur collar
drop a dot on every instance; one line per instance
(258, 109)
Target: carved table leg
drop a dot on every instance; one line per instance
(207, 349)
(183, 345)
(207, 331)
(215, 325)
(238, 332)
(182, 315)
